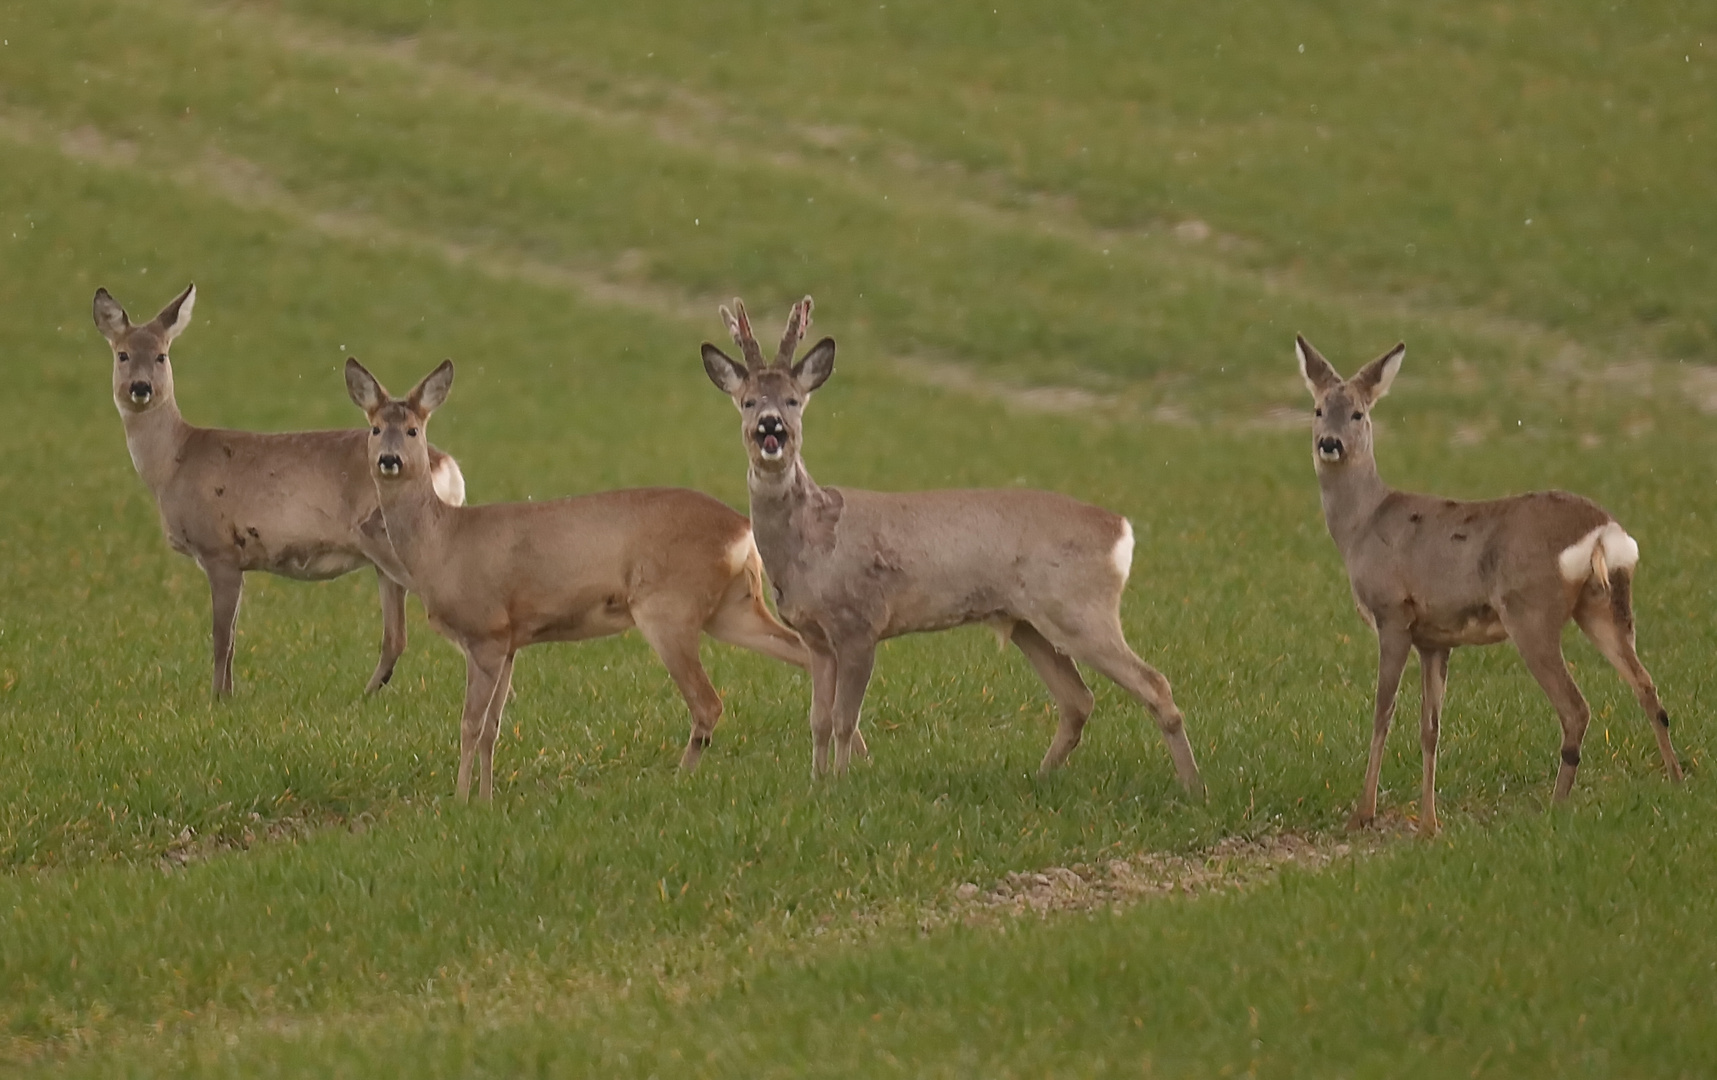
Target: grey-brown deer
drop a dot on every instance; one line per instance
(298, 504)
(672, 562)
(1432, 574)
(851, 568)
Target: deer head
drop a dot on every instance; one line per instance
(399, 447)
(142, 374)
(771, 397)
(1341, 432)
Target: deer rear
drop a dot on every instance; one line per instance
(1434, 574)
(851, 568)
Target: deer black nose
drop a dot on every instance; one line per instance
(141, 392)
(388, 464)
(1329, 448)
(771, 425)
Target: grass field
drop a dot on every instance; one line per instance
(1062, 245)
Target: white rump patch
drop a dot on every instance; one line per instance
(1620, 552)
(1123, 553)
(448, 481)
(739, 552)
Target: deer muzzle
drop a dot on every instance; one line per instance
(141, 392)
(388, 464)
(771, 436)
(1329, 449)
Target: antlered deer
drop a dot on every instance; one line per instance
(1432, 574)
(851, 568)
(673, 563)
(298, 504)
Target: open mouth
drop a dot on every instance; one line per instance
(388, 465)
(771, 438)
(1329, 450)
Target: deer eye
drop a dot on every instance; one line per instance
(792, 403)
(1317, 412)
(123, 357)
(375, 431)
(751, 403)
(1359, 416)
(411, 432)
(162, 359)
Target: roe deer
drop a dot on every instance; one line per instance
(298, 504)
(1432, 574)
(851, 568)
(496, 578)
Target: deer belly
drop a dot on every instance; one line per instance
(1476, 625)
(311, 562)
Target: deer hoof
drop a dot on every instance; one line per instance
(1359, 822)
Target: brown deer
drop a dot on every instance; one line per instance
(298, 504)
(1432, 574)
(673, 563)
(851, 568)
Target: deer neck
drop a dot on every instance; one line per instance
(155, 439)
(1351, 495)
(778, 502)
(416, 520)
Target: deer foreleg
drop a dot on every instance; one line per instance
(853, 667)
(1434, 678)
(393, 630)
(1392, 649)
(226, 587)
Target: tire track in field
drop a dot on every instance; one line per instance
(694, 123)
(248, 187)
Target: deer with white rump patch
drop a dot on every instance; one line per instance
(299, 504)
(672, 562)
(1432, 574)
(851, 568)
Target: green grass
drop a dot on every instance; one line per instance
(982, 199)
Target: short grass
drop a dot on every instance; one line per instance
(1134, 210)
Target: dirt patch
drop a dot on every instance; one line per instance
(188, 847)
(1231, 864)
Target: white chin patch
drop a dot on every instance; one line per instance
(141, 399)
(388, 470)
(1331, 456)
(771, 455)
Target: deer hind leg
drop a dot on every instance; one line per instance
(853, 664)
(393, 630)
(672, 632)
(1073, 699)
(1392, 649)
(1106, 649)
(1609, 622)
(492, 728)
(1434, 677)
(1539, 639)
(483, 665)
(226, 587)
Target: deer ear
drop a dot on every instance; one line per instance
(176, 316)
(816, 367)
(727, 373)
(366, 393)
(110, 318)
(431, 393)
(1320, 377)
(1372, 380)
